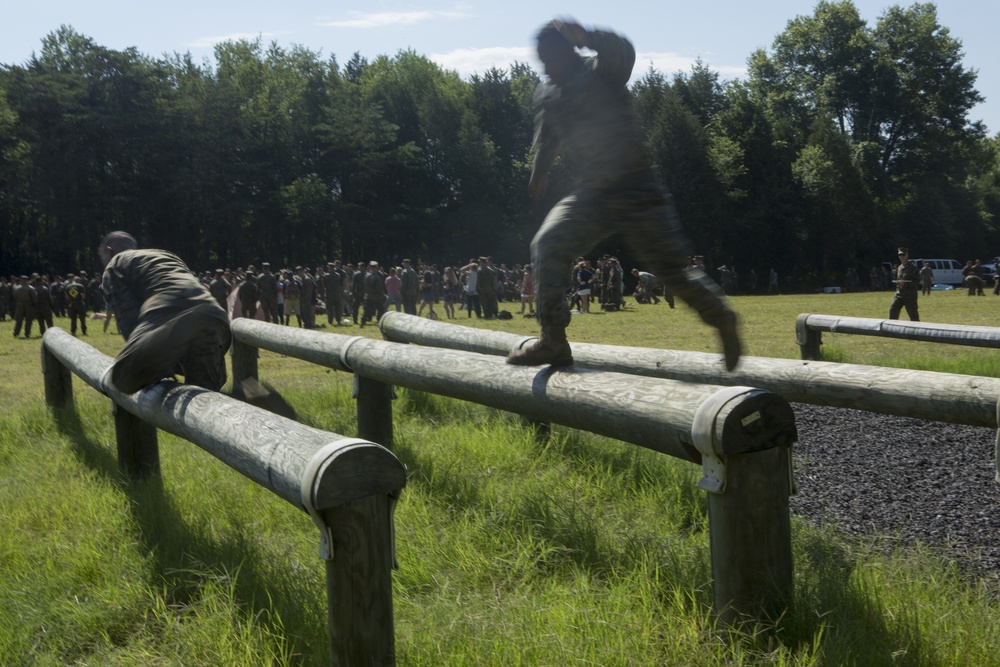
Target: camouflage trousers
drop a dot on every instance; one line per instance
(191, 342)
(645, 216)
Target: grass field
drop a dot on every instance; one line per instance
(575, 551)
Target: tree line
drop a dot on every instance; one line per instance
(844, 141)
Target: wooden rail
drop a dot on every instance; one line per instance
(944, 397)
(809, 330)
(740, 435)
(347, 485)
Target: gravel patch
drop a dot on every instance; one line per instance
(923, 481)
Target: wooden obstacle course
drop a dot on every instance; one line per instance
(347, 485)
(740, 435)
(944, 397)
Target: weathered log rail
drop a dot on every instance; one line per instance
(740, 435)
(944, 397)
(809, 328)
(347, 485)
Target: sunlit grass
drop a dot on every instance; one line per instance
(575, 550)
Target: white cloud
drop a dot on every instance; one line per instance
(668, 63)
(384, 19)
(472, 61)
(209, 42)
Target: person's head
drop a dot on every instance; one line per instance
(559, 59)
(903, 254)
(635, 272)
(114, 243)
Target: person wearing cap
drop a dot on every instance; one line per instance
(907, 282)
(171, 323)
(25, 305)
(267, 288)
(249, 293)
(584, 111)
(76, 304)
(374, 283)
(220, 289)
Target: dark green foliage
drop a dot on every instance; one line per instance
(844, 141)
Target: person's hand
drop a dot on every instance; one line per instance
(538, 184)
(574, 33)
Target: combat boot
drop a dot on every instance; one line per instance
(551, 348)
(731, 346)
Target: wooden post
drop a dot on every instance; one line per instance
(138, 447)
(809, 339)
(58, 380)
(374, 410)
(358, 578)
(359, 583)
(244, 363)
(750, 535)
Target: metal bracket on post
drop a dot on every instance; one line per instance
(705, 438)
(309, 484)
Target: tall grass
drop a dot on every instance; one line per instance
(575, 550)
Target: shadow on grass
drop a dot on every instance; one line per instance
(185, 555)
(835, 608)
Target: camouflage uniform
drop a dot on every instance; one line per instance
(267, 285)
(907, 279)
(170, 322)
(589, 119)
(76, 305)
(25, 307)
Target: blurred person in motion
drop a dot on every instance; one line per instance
(584, 111)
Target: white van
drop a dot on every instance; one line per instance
(946, 271)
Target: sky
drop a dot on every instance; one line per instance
(471, 37)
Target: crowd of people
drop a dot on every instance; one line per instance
(345, 293)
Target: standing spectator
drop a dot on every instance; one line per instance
(374, 283)
(220, 289)
(307, 298)
(527, 289)
(25, 305)
(333, 287)
(267, 288)
(76, 304)
(926, 279)
(58, 291)
(449, 291)
(471, 273)
(907, 279)
(409, 288)
(393, 293)
(772, 282)
(358, 291)
(249, 293)
(487, 288)
(43, 311)
(280, 282)
(293, 291)
(584, 278)
(427, 294)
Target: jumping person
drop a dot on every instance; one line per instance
(584, 111)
